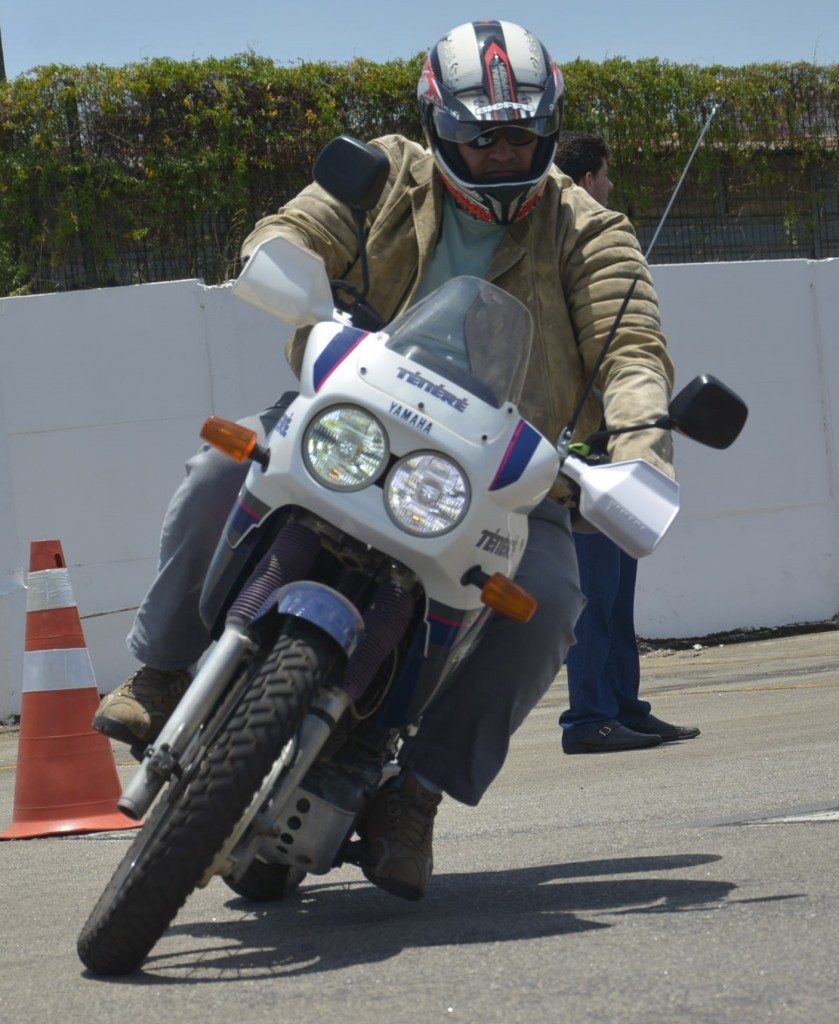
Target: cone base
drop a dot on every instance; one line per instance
(67, 781)
(68, 827)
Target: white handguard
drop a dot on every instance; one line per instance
(632, 503)
(288, 281)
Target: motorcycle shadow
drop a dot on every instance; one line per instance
(333, 925)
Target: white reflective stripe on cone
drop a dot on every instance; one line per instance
(47, 589)
(69, 669)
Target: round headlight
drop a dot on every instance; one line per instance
(345, 448)
(426, 494)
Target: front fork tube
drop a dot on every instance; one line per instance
(385, 622)
(289, 558)
(160, 761)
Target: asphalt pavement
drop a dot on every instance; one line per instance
(694, 882)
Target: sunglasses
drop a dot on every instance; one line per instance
(514, 135)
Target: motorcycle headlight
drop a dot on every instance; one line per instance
(345, 448)
(426, 494)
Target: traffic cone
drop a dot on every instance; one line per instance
(67, 778)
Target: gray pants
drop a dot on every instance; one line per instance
(168, 631)
(464, 737)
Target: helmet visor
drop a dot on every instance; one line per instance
(469, 132)
(515, 135)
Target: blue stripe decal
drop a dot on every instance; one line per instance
(335, 353)
(519, 453)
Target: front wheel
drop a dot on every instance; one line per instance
(195, 816)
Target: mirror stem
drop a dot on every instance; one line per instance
(662, 423)
(359, 218)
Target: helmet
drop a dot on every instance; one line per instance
(484, 75)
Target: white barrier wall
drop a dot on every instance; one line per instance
(102, 395)
(757, 539)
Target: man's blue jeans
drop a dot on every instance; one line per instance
(603, 668)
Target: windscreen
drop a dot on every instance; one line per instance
(472, 333)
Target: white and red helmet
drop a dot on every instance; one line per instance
(485, 75)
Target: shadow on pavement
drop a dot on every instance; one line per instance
(332, 926)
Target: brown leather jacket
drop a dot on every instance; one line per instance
(571, 262)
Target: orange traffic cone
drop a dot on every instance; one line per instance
(67, 778)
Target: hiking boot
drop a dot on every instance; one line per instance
(136, 711)
(397, 831)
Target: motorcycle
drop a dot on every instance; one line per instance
(356, 571)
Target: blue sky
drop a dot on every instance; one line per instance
(114, 33)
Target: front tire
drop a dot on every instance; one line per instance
(193, 819)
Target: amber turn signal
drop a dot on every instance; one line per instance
(236, 441)
(508, 598)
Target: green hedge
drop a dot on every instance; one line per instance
(773, 121)
(157, 170)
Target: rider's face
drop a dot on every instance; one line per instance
(501, 160)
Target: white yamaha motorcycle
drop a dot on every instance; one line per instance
(356, 570)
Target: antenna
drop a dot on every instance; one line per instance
(564, 443)
(669, 206)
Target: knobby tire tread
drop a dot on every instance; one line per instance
(182, 836)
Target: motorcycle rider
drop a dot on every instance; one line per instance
(484, 199)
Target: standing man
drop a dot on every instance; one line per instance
(603, 667)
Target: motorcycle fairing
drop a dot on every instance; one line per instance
(236, 554)
(516, 459)
(336, 351)
(443, 628)
(346, 356)
(372, 376)
(246, 515)
(438, 646)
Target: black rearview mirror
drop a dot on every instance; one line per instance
(352, 172)
(708, 411)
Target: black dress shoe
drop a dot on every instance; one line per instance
(611, 736)
(667, 732)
